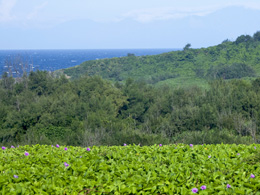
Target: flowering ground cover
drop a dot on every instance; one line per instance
(130, 169)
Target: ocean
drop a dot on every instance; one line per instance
(52, 60)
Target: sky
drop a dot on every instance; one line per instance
(122, 24)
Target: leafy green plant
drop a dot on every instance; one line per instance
(129, 169)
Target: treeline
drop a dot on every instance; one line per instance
(42, 109)
(228, 60)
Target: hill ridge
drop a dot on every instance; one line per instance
(228, 60)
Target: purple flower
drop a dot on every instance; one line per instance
(66, 164)
(65, 148)
(88, 149)
(228, 186)
(160, 144)
(194, 190)
(26, 154)
(80, 156)
(15, 176)
(191, 145)
(238, 153)
(57, 145)
(12, 147)
(3, 147)
(125, 144)
(252, 176)
(51, 145)
(254, 147)
(209, 156)
(203, 187)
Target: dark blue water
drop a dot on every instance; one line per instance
(52, 60)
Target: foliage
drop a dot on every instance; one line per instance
(231, 72)
(214, 136)
(130, 169)
(228, 60)
(42, 109)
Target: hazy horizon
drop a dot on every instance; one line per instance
(153, 24)
(99, 49)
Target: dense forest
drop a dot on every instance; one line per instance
(228, 60)
(107, 107)
(91, 111)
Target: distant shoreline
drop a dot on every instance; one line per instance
(55, 59)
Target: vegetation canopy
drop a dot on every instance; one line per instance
(216, 103)
(40, 108)
(228, 60)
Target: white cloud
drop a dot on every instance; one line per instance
(40, 17)
(6, 7)
(166, 13)
(252, 5)
(36, 11)
(148, 15)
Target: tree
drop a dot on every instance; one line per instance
(187, 46)
(130, 54)
(17, 66)
(256, 36)
(7, 82)
(38, 81)
(243, 39)
(226, 41)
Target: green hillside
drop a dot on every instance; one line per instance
(228, 60)
(40, 108)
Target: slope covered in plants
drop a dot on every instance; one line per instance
(41, 109)
(228, 60)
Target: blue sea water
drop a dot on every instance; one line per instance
(52, 60)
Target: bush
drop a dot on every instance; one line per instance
(234, 71)
(214, 136)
